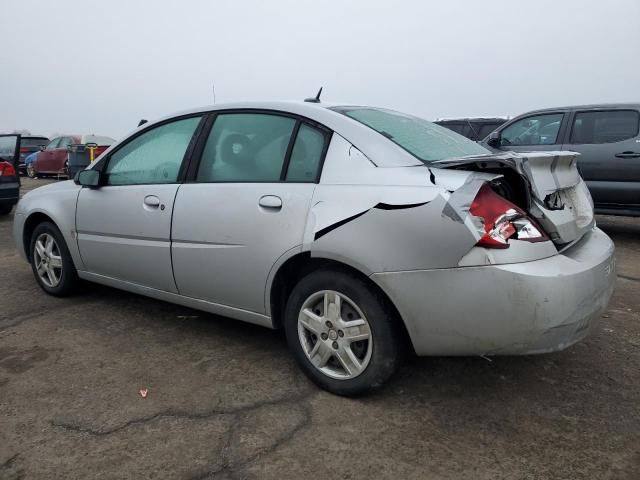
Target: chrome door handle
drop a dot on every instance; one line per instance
(628, 155)
(271, 201)
(152, 201)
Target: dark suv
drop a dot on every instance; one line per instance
(473, 128)
(606, 137)
(30, 144)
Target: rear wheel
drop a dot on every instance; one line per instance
(5, 209)
(51, 261)
(342, 332)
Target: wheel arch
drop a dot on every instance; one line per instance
(30, 224)
(301, 264)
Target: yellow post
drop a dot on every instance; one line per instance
(92, 150)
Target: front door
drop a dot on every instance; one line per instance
(124, 226)
(245, 207)
(609, 147)
(45, 158)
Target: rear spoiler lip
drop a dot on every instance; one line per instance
(509, 157)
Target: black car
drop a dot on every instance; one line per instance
(473, 128)
(9, 179)
(607, 137)
(28, 145)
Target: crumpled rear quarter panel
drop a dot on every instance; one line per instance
(522, 308)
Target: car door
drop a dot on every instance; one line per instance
(245, 206)
(124, 225)
(609, 147)
(60, 155)
(44, 161)
(537, 132)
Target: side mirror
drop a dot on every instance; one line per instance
(88, 178)
(41, 147)
(495, 140)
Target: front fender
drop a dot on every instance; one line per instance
(57, 202)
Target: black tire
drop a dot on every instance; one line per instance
(69, 276)
(31, 173)
(386, 347)
(5, 209)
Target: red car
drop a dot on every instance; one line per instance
(54, 159)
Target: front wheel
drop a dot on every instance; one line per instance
(342, 332)
(51, 261)
(31, 172)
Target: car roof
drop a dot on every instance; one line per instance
(472, 119)
(594, 106)
(379, 149)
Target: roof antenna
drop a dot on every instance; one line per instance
(315, 99)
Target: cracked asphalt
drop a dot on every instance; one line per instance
(225, 399)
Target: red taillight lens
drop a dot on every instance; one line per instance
(25, 149)
(7, 170)
(502, 220)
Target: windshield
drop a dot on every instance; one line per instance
(424, 140)
(34, 141)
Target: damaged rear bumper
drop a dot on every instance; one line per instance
(522, 308)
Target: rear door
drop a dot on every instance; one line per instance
(124, 226)
(245, 206)
(534, 133)
(609, 147)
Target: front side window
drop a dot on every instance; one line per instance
(536, 130)
(604, 126)
(246, 147)
(426, 141)
(152, 157)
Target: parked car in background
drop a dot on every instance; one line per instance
(607, 137)
(473, 128)
(9, 179)
(30, 144)
(365, 233)
(54, 159)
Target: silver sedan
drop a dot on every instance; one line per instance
(364, 233)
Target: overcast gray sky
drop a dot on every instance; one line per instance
(85, 66)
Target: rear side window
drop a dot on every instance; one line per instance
(246, 147)
(53, 143)
(535, 130)
(426, 141)
(152, 157)
(65, 142)
(306, 155)
(604, 126)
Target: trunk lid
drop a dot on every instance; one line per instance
(558, 197)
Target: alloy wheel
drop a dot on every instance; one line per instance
(335, 335)
(48, 260)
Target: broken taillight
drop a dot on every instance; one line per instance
(7, 170)
(502, 220)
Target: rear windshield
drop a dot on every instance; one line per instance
(424, 140)
(33, 142)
